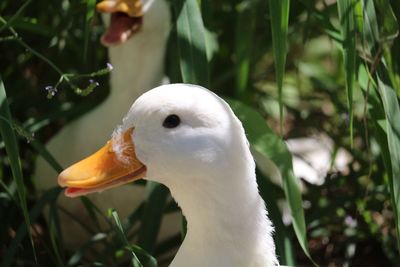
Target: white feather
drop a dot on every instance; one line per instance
(207, 165)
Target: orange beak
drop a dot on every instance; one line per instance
(133, 8)
(113, 165)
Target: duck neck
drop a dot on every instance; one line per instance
(139, 63)
(227, 222)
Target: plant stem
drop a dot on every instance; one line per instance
(33, 51)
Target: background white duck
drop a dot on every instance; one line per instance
(187, 138)
(138, 66)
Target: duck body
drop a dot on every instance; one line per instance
(138, 66)
(204, 159)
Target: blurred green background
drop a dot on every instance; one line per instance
(327, 67)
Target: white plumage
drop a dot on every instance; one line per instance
(206, 163)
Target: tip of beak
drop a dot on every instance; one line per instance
(62, 178)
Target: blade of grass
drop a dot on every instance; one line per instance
(55, 234)
(389, 101)
(272, 147)
(392, 112)
(91, 210)
(284, 248)
(80, 253)
(122, 237)
(48, 197)
(90, 7)
(370, 26)
(245, 29)
(152, 215)
(279, 14)
(324, 19)
(15, 16)
(346, 9)
(150, 260)
(171, 243)
(11, 145)
(192, 45)
(43, 152)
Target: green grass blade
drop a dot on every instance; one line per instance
(121, 235)
(370, 25)
(279, 13)
(149, 260)
(49, 196)
(80, 253)
(15, 16)
(192, 45)
(91, 209)
(389, 101)
(269, 145)
(152, 215)
(389, 28)
(11, 145)
(133, 218)
(269, 192)
(392, 112)
(245, 29)
(324, 19)
(42, 151)
(346, 9)
(55, 234)
(90, 8)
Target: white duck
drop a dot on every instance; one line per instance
(138, 66)
(187, 138)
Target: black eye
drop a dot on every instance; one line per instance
(171, 121)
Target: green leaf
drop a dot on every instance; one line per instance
(324, 19)
(245, 29)
(150, 260)
(389, 28)
(192, 45)
(392, 113)
(383, 82)
(90, 8)
(272, 148)
(80, 253)
(346, 9)
(279, 13)
(123, 238)
(42, 151)
(152, 215)
(49, 196)
(370, 27)
(55, 233)
(15, 16)
(11, 145)
(283, 244)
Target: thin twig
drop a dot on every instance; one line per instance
(16, 15)
(33, 51)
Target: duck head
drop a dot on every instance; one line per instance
(175, 134)
(127, 17)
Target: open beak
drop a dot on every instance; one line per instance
(126, 20)
(113, 165)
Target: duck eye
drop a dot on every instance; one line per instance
(171, 121)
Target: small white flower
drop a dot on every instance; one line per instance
(110, 67)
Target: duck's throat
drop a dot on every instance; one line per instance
(227, 226)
